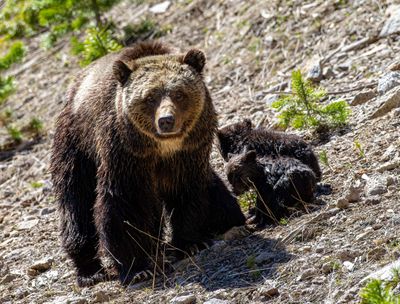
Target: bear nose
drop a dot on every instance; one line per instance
(166, 123)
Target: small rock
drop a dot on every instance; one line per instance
(236, 233)
(185, 299)
(307, 274)
(388, 82)
(376, 253)
(8, 278)
(395, 66)
(328, 73)
(363, 97)
(348, 265)
(389, 102)
(392, 25)
(385, 273)
(345, 66)
(46, 211)
(264, 257)
(391, 180)
(160, 7)
(76, 301)
(347, 254)
(342, 203)
(376, 185)
(43, 264)
(26, 225)
(101, 297)
(216, 301)
(355, 191)
(390, 165)
(268, 291)
(270, 41)
(327, 267)
(373, 200)
(315, 72)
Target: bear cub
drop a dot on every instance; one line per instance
(238, 137)
(281, 183)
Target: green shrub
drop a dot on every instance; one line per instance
(247, 200)
(381, 292)
(302, 109)
(14, 133)
(7, 87)
(97, 43)
(14, 55)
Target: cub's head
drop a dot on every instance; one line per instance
(162, 95)
(242, 171)
(230, 138)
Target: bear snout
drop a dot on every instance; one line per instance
(166, 123)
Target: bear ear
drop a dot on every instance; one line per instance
(250, 156)
(196, 59)
(121, 71)
(247, 123)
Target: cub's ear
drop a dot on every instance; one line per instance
(250, 156)
(121, 71)
(196, 59)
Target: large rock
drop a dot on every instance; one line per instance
(388, 82)
(390, 101)
(392, 25)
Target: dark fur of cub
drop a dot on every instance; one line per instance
(281, 184)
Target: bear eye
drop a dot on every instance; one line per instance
(150, 99)
(178, 96)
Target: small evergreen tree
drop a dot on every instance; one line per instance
(302, 109)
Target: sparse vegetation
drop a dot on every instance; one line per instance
(97, 43)
(323, 157)
(381, 292)
(302, 109)
(359, 148)
(247, 200)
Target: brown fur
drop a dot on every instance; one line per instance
(114, 168)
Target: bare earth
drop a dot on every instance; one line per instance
(252, 46)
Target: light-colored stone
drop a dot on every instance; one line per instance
(184, 299)
(390, 165)
(160, 8)
(389, 102)
(385, 273)
(363, 97)
(307, 274)
(26, 225)
(376, 185)
(392, 25)
(388, 81)
(348, 265)
(217, 301)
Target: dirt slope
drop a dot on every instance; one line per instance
(252, 46)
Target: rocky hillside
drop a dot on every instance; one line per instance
(351, 48)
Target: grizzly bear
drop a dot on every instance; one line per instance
(133, 140)
(281, 184)
(238, 137)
